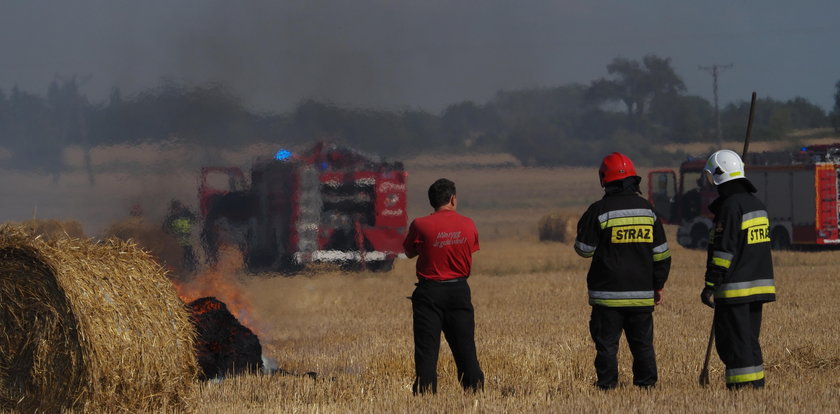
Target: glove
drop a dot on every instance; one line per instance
(657, 297)
(706, 296)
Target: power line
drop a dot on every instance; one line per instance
(715, 70)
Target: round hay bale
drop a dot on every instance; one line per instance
(89, 326)
(557, 227)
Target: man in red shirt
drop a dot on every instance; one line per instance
(444, 242)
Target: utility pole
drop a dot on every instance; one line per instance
(715, 69)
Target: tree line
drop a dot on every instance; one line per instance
(638, 106)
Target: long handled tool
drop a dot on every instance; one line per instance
(749, 129)
(704, 373)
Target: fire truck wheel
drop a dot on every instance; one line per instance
(287, 265)
(380, 265)
(779, 239)
(699, 236)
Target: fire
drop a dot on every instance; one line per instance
(221, 282)
(206, 306)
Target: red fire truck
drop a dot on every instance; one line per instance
(329, 204)
(799, 188)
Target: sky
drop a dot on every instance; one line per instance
(420, 54)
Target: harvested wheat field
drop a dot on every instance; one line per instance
(533, 341)
(354, 329)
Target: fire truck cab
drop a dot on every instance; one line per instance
(799, 188)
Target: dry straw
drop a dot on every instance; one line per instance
(89, 326)
(557, 227)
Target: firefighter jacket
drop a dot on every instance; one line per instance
(739, 267)
(179, 223)
(630, 256)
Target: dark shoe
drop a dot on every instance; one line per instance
(606, 387)
(742, 385)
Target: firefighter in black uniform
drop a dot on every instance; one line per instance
(630, 264)
(179, 223)
(739, 270)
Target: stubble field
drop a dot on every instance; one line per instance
(531, 323)
(532, 340)
(532, 316)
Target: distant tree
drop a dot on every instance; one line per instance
(207, 114)
(68, 112)
(539, 142)
(836, 113)
(773, 119)
(537, 124)
(4, 119)
(682, 118)
(734, 117)
(637, 85)
(313, 120)
(27, 130)
(423, 129)
(804, 114)
(467, 124)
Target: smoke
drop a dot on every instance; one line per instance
(222, 282)
(398, 53)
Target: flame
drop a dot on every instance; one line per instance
(207, 306)
(221, 281)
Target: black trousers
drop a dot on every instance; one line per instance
(737, 328)
(447, 307)
(605, 326)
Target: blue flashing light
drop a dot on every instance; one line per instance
(283, 155)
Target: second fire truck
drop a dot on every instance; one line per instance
(800, 189)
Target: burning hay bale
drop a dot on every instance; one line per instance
(89, 326)
(557, 227)
(223, 346)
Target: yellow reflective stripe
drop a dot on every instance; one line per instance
(755, 222)
(661, 256)
(721, 262)
(755, 376)
(735, 174)
(626, 221)
(710, 284)
(615, 303)
(737, 293)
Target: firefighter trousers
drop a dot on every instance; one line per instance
(605, 326)
(447, 307)
(737, 328)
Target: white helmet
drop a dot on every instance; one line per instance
(723, 166)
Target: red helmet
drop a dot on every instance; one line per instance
(616, 166)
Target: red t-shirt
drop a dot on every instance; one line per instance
(444, 242)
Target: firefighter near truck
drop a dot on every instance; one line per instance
(330, 204)
(801, 190)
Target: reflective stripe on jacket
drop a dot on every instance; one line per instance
(629, 251)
